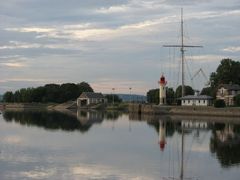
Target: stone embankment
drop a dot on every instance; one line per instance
(183, 110)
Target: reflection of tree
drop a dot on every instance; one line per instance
(170, 127)
(225, 143)
(112, 115)
(47, 120)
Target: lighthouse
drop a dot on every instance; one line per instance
(162, 91)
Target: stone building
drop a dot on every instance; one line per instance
(90, 98)
(227, 92)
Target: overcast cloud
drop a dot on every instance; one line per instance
(112, 43)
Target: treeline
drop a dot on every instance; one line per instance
(54, 93)
(172, 96)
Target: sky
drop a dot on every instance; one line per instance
(113, 43)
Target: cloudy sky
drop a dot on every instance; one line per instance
(113, 43)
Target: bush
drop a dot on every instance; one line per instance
(219, 103)
(237, 100)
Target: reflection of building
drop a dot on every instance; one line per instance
(162, 135)
(196, 100)
(194, 125)
(227, 92)
(90, 98)
(90, 117)
(226, 135)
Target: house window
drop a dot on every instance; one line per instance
(183, 101)
(203, 101)
(188, 101)
(199, 101)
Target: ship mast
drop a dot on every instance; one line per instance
(182, 50)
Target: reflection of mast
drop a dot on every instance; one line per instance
(162, 135)
(182, 156)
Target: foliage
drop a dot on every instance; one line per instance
(113, 97)
(8, 97)
(153, 96)
(188, 91)
(49, 93)
(219, 103)
(227, 71)
(170, 96)
(237, 100)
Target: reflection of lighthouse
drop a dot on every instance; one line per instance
(162, 135)
(162, 90)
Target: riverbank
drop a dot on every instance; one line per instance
(184, 110)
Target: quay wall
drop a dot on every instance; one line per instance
(184, 110)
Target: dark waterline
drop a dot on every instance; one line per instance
(113, 145)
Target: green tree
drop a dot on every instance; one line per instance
(188, 91)
(153, 96)
(84, 87)
(237, 100)
(219, 103)
(227, 71)
(68, 91)
(170, 96)
(8, 97)
(111, 97)
(209, 91)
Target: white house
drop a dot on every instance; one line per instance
(227, 92)
(196, 100)
(90, 98)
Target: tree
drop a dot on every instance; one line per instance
(188, 91)
(209, 91)
(68, 91)
(237, 100)
(113, 97)
(170, 96)
(8, 97)
(153, 96)
(49, 93)
(84, 87)
(219, 103)
(227, 72)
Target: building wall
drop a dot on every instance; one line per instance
(90, 101)
(227, 95)
(196, 102)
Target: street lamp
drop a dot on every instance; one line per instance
(113, 95)
(130, 89)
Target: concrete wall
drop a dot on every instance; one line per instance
(184, 110)
(196, 102)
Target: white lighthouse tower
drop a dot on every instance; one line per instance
(162, 91)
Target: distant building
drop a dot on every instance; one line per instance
(196, 100)
(227, 92)
(90, 98)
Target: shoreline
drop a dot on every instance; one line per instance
(185, 110)
(135, 108)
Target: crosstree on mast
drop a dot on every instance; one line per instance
(182, 47)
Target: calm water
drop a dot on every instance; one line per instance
(97, 145)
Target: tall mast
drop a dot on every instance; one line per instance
(182, 53)
(182, 50)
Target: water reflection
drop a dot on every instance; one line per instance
(225, 144)
(171, 147)
(67, 120)
(224, 141)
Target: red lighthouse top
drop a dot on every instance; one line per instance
(162, 80)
